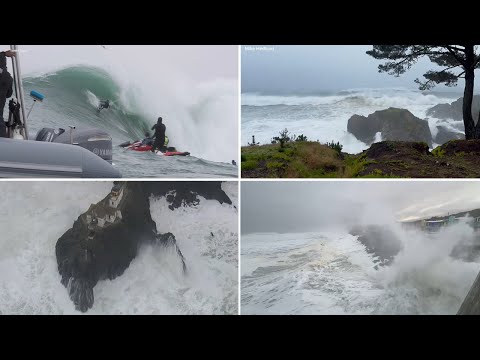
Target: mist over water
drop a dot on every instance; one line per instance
(320, 267)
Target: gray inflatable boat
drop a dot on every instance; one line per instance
(55, 153)
(25, 158)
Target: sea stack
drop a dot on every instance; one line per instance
(106, 238)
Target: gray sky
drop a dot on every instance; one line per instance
(296, 206)
(199, 62)
(297, 68)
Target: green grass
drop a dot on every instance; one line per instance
(249, 165)
(310, 160)
(282, 156)
(300, 159)
(438, 152)
(355, 164)
(275, 165)
(377, 173)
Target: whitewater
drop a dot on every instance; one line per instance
(199, 111)
(35, 214)
(324, 117)
(331, 272)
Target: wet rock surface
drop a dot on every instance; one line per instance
(105, 239)
(379, 241)
(394, 124)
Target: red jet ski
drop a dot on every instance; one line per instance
(140, 146)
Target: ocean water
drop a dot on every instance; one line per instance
(324, 117)
(332, 273)
(205, 126)
(35, 214)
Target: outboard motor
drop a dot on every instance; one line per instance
(48, 134)
(97, 141)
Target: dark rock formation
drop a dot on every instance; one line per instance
(394, 124)
(444, 135)
(454, 109)
(364, 128)
(185, 192)
(106, 238)
(379, 241)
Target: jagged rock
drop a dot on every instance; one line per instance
(454, 110)
(394, 124)
(106, 238)
(186, 192)
(379, 241)
(364, 129)
(444, 135)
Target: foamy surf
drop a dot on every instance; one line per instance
(332, 273)
(325, 117)
(36, 214)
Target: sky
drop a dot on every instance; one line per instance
(300, 69)
(199, 62)
(297, 206)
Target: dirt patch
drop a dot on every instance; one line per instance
(462, 146)
(456, 159)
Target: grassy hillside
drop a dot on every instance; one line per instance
(455, 159)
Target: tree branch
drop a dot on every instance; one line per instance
(419, 54)
(476, 62)
(452, 67)
(455, 48)
(455, 55)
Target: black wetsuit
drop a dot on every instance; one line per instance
(104, 105)
(148, 141)
(6, 90)
(159, 136)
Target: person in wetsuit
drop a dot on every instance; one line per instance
(160, 129)
(6, 89)
(104, 104)
(148, 140)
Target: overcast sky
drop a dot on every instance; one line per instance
(199, 62)
(303, 69)
(296, 206)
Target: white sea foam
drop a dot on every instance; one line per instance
(35, 214)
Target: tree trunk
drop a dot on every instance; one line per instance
(470, 130)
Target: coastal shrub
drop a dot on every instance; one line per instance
(249, 165)
(438, 152)
(335, 146)
(282, 139)
(253, 143)
(301, 138)
(354, 165)
(275, 165)
(281, 156)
